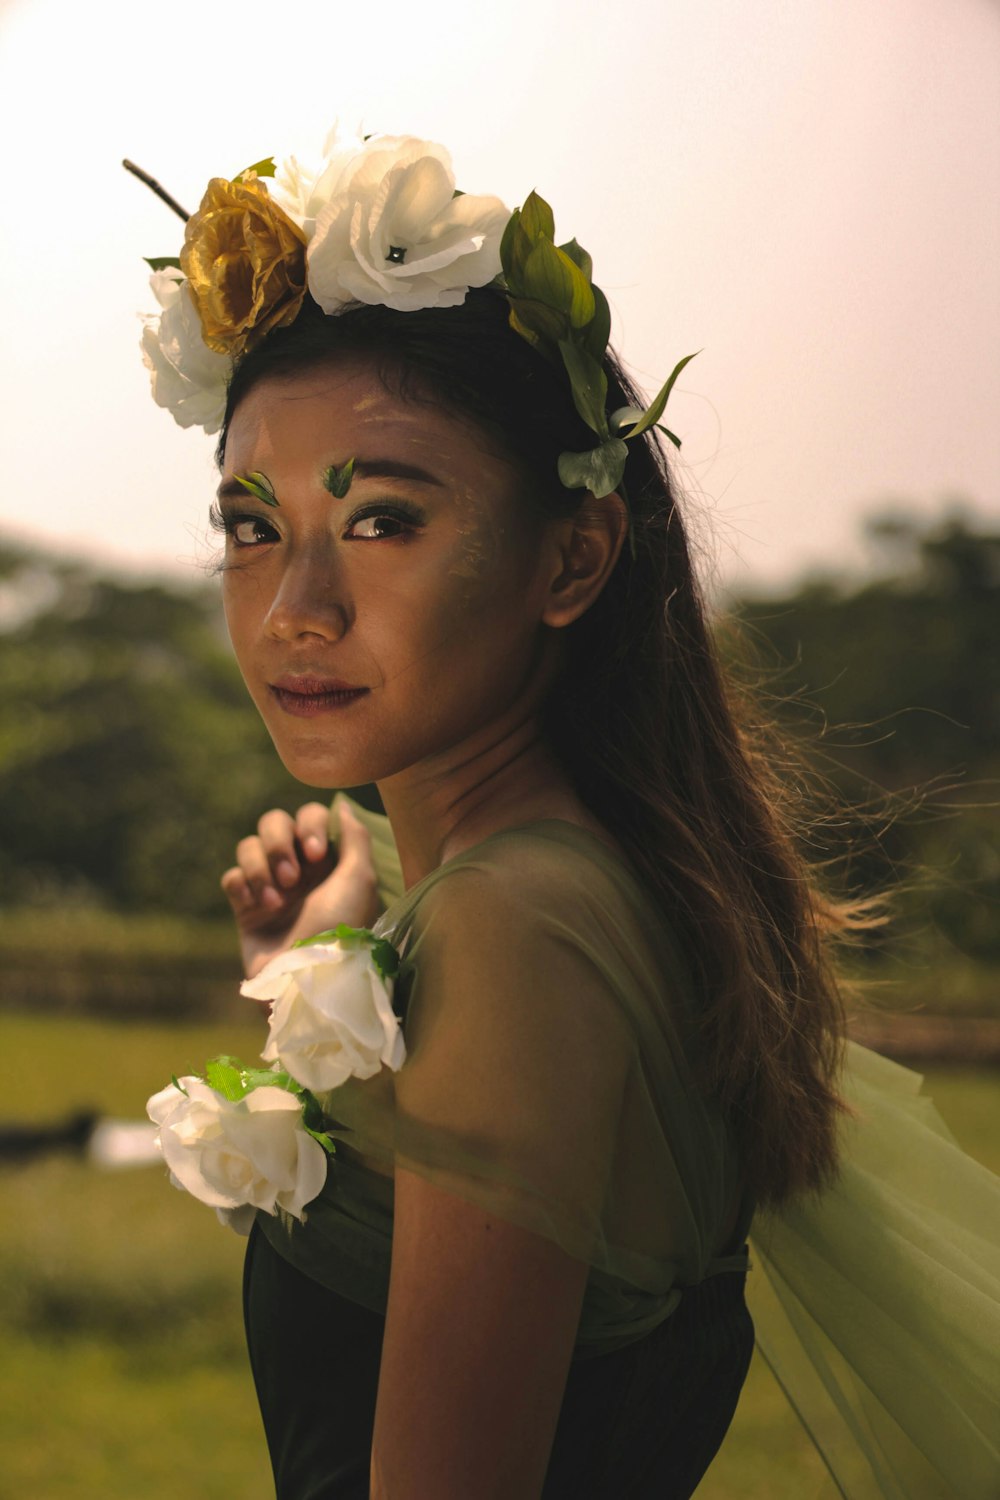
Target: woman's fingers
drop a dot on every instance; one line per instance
(276, 839)
(252, 858)
(244, 897)
(312, 824)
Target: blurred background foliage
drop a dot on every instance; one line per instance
(131, 759)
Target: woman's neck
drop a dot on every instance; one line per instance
(504, 777)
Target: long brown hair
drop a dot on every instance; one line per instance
(649, 728)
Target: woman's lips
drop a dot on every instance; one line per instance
(304, 697)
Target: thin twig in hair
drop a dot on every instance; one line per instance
(160, 191)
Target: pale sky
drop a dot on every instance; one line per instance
(806, 190)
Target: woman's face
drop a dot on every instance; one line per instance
(383, 630)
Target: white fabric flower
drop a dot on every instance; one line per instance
(303, 191)
(393, 232)
(238, 1156)
(331, 1017)
(187, 377)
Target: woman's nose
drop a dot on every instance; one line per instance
(310, 600)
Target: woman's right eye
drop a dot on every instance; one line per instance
(242, 531)
(250, 531)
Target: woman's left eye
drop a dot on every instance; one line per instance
(381, 525)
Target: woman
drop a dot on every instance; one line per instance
(525, 1272)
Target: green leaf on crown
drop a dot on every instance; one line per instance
(537, 219)
(598, 330)
(579, 257)
(654, 411)
(263, 168)
(515, 247)
(550, 276)
(162, 262)
(544, 327)
(599, 470)
(589, 385)
(258, 485)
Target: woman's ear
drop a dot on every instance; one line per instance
(588, 545)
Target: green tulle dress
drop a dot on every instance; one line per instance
(571, 1109)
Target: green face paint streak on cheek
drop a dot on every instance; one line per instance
(338, 481)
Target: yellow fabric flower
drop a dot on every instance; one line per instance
(245, 261)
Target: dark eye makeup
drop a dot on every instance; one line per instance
(245, 530)
(384, 520)
(380, 520)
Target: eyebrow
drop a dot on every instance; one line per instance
(364, 468)
(392, 468)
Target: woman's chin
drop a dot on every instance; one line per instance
(320, 769)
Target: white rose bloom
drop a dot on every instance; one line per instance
(331, 1016)
(238, 1156)
(187, 377)
(393, 231)
(303, 191)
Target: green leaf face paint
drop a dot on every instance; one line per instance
(258, 485)
(338, 481)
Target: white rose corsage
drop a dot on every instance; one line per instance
(246, 1138)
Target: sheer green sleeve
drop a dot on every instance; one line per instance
(546, 1077)
(518, 1055)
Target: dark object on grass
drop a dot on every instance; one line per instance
(23, 1143)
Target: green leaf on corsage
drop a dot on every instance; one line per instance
(338, 481)
(351, 937)
(258, 485)
(384, 956)
(162, 262)
(318, 1135)
(224, 1075)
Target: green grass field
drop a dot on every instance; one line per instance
(122, 1367)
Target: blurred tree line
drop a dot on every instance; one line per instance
(131, 759)
(891, 684)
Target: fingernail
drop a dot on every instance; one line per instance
(286, 872)
(313, 846)
(270, 897)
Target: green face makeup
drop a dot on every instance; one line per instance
(338, 481)
(258, 485)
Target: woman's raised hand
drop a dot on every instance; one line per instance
(289, 882)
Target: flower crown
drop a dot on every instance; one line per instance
(379, 222)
